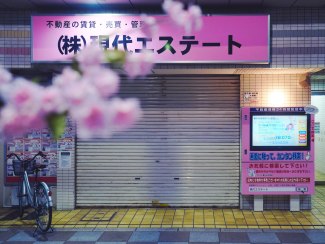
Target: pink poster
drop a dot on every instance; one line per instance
(277, 151)
(223, 39)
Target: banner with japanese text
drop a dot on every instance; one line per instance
(223, 39)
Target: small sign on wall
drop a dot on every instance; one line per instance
(250, 97)
(65, 160)
(317, 127)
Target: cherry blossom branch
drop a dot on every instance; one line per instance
(86, 93)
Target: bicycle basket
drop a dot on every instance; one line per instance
(19, 170)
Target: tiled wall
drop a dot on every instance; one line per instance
(318, 85)
(298, 37)
(15, 39)
(264, 89)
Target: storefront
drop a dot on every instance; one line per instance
(186, 149)
(184, 152)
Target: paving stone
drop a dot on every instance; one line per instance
(104, 242)
(49, 242)
(144, 236)
(175, 242)
(263, 238)
(57, 236)
(241, 230)
(284, 230)
(22, 237)
(204, 237)
(7, 234)
(233, 237)
(235, 243)
(157, 229)
(291, 237)
(316, 237)
(85, 236)
(116, 236)
(142, 243)
(203, 242)
(180, 236)
(199, 229)
(19, 242)
(78, 242)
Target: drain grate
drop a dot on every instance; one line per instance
(99, 217)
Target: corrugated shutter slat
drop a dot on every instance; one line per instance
(184, 152)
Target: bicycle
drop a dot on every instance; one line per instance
(38, 197)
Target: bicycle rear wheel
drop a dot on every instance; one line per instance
(43, 208)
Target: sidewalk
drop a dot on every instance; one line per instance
(164, 236)
(171, 225)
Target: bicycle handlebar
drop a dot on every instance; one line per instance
(40, 153)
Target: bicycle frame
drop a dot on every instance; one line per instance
(31, 193)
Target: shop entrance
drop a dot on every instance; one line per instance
(318, 100)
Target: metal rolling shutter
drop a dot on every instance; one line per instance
(184, 152)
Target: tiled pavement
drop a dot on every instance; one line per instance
(163, 236)
(179, 217)
(171, 225)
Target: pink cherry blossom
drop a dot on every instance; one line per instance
(67, 76)
(172, 7)
(52, 100)
(124, 113)
(5, 76)
(105, 81)
(139, 64)
(14, 122)
(92, 120)
(78, 93)
(190, 19)
(195, 13)
(25, 95)
(90, 56)
(149, 27)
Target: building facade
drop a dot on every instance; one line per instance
(186, 149)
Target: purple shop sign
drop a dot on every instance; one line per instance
(223, 39)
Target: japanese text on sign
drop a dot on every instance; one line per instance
(222, 39)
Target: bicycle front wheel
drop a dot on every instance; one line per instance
(21, 197)
(43, 208)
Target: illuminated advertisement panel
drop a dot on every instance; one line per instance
(284, 131)
(277, 151)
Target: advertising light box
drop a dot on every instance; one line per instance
(280, 131)
(277, 151)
